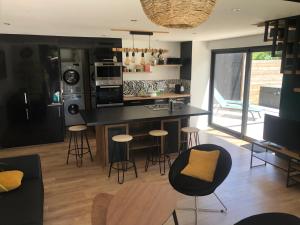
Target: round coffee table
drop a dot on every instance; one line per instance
(142, 204)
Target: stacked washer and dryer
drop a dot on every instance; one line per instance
(73, 92)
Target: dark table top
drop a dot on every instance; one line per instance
(116, 115)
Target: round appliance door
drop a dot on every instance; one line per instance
(71, 77)
(73, 109)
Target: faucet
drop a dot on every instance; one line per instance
(172, 103)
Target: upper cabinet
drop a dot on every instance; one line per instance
(186, 58)
(103, 50)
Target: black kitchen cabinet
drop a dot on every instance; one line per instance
(28, 113)
(186, 59)
(173, 139)
(103, 50)
(139, 102)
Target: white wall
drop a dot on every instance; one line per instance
(201, 61)
(200, 80)
(159, 72)
(247, 41)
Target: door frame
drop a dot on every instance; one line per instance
(248, 51)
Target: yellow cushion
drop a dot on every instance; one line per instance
(202, 165)
(10, 180)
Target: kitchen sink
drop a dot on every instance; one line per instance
(157, 107)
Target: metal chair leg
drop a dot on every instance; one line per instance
(198, 139)
(147, 162)
(111, 162)
(88, 145)
(224, 206)
(70, 141)
(196, 211)
(175, 218)
(224, 210)
(190, 141)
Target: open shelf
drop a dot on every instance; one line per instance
(297, 89)
(169, 65)
(273, 160)
(142, 145)
(291, 56)
(290, 72)
(138, 72)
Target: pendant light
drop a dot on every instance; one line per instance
(133, 53)
(127, 59)
(178, 13)
(143, 58)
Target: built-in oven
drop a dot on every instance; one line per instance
(108, 72)
(109, 95)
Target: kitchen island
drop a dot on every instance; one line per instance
(138, 121)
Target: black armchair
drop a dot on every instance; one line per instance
(195, 187)
(270, 218)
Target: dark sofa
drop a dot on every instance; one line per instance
(23, 206)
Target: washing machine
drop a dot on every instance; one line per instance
(73, 103)
(72, 78)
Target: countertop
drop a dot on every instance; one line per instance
(116, 115)
(162, 96)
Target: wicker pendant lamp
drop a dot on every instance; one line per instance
(178, 13)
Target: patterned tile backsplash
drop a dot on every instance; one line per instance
(134, 87)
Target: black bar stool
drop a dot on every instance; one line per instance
(159, 157)
(121, 157)
(78, 132)
(191, 132)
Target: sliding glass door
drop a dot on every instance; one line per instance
(264, 91)
(228, 90)
(245, 85)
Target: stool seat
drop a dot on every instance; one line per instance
(77, 128)
(158, 133)
(122, 138)
(190, 129)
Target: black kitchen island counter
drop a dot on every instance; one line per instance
(138, 121)
(116, 115)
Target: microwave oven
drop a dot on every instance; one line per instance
(108, 71)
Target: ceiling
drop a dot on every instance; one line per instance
(95, 18)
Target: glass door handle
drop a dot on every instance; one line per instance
(25, 98)
(27, 113)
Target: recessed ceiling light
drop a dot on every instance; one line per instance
(134, 20)
(7, 24)
(236, 10)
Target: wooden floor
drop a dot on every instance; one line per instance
(69, 190)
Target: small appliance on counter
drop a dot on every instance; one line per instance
(179, 89)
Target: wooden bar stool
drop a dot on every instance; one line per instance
(121, 156)
(159, 135)
(191, 132)
(78, 131)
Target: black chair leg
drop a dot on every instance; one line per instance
(111, 162)
(76, 150)
(190, 141)
(175, 218)
(88, 145)
(134, 166)
(147, 162)
(70, 141)
(123, 170)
